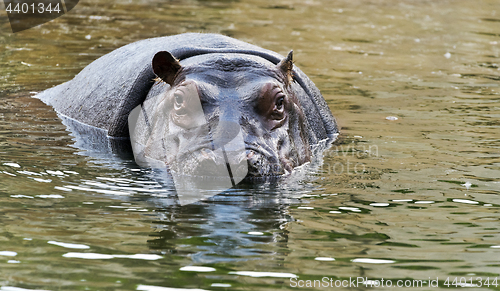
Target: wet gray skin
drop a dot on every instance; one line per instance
(216, 102)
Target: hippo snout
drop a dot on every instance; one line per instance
(241, 159)
(261, 163)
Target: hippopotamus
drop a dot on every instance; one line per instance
(198, 101)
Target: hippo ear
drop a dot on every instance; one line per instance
(286, 66)
(166, 66)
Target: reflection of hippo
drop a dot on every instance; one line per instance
(276, 108)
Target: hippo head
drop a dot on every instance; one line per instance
(222, 112)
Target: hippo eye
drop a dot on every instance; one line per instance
(178, 99)
(279, 103)
(272, 104)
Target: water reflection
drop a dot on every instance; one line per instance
(234, 226)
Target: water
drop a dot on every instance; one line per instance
(412, 198)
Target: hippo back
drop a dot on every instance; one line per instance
(104, 93)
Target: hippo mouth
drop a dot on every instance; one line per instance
(254, 161)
